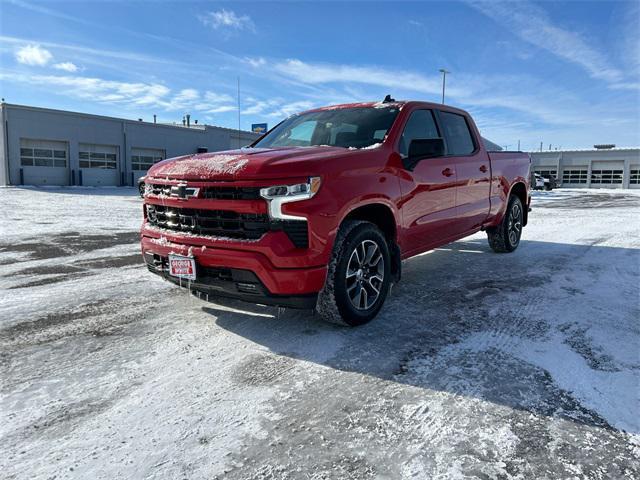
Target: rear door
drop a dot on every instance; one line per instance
(473, 171)
(428, 190)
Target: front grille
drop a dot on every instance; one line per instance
(231, 193)
(214, 193)
(219, 223)
(157, 189)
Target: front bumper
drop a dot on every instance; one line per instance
(240, 274)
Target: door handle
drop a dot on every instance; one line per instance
(447, 172)
(483, 168)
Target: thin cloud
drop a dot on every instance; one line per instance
(337, 73)
(227, 20)
(533, 25)
(33, 55)
(140, 94)
(66, 66)
(94, 52)
(255, 62)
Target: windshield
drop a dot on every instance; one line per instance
(341, 127)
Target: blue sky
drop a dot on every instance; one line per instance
(566, 74)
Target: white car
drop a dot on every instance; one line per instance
(538, 182)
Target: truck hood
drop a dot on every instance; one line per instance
(247, 163)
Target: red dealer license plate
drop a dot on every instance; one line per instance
(182, 267)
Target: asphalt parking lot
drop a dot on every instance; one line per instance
(480, 365)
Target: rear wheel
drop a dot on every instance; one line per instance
(506, 236)
(358, 277)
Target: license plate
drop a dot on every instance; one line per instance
(182, 267)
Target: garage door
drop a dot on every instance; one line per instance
(634, 176)
(142, 159)
(44, 162)
(98, 164)
(607, 174)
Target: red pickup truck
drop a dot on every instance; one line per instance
(321, 210)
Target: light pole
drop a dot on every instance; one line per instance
(444, 81)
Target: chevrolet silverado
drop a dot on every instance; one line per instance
(320, 211)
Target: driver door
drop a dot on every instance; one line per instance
(428, 189)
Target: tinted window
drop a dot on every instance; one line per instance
(420, 125)
(459, 139)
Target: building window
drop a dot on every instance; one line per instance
(42, 153)
(546, 172)
(606, 176)
(98, 156)
(634, 177)
(575, 176)
(143, 158)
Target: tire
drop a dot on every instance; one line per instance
(506, 237)
(360, 262)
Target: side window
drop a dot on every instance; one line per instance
(459, 139)
(421, 125)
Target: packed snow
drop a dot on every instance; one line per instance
(523, 365)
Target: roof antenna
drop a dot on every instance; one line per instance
(388, 99)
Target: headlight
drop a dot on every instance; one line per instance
(281, 194)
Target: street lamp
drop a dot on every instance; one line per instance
(444, 81)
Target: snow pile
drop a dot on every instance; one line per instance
(202, 166)
(370, 147)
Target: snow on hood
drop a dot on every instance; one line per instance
(251, 163)
(202, 166)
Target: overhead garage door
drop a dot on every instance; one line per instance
(634, 176)
(44, 162)
(98, 164)
(607, 174)
(142, 159)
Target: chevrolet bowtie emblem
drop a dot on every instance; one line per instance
(184, 192)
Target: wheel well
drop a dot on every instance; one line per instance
(520, 191)
(378, 214)
(382, 216)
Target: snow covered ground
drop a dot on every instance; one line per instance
(480, 365)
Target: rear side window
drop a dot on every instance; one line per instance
(456, 130)
(421, 125)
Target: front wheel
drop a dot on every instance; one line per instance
(506, 236)
(358, 276)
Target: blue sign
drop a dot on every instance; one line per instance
(260, 128)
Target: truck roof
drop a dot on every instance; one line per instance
(395, 103)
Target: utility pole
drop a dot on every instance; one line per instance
(518, 145)
(540, 146)
(444, 81)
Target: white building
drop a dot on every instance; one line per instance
(604, 166)
(40, 146)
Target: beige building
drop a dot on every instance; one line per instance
(604, 166)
